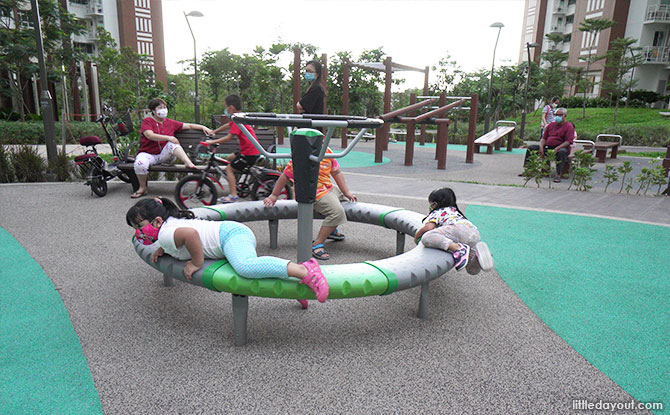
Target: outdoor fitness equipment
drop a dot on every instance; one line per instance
(405, 270)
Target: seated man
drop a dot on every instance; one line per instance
(558, 136)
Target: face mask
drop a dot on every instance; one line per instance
(558, 118)
(161, 112)
(226, 113)
(309, 77)
(148, 234)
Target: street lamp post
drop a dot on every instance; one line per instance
(488, 103)
(195, 13)
(525, 93)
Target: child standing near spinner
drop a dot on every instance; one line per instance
(182, 236)
(447, 228)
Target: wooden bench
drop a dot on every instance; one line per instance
(189, 140)
(494, 137)
(603, 146)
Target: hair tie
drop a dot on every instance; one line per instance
(158, 200)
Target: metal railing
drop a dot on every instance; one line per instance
(658, 13)
(656, 54)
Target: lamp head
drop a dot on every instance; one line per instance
(533, 45)
(498, 25)
(195, 13)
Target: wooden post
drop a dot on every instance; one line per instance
(441, 103)
(324, 81)
(345, 96)
(409, 143)
(442, 141)
(388, 63)
(296, 79)
(422, 139)
(280, 135)
(474, 102)
(510, 140)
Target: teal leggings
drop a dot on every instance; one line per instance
(239, 246)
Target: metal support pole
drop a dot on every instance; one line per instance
(399, 243)
(196, 104)
(472, 127)
(488, 103)
(240, 312)
(46, 101)
(305, 217)
(167, 281)
(324, 81)
(280, 135)
(422, 311)
(274, 232)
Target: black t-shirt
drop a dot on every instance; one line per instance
(312, 101)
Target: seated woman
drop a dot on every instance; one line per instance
(158, 144)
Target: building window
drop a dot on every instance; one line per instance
(658, 38)
(569, 19)
(85, 2)
(84, 47)
(571, 2)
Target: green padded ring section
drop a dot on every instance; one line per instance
(390, 276)
(306, 132)
(344, 281)
(208, 273)
(219, 211)
(382, 217)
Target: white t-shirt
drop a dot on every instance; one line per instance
(445, 216)
(209, 236)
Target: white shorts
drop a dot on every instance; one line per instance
(145, 160)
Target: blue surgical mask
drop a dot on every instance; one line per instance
(309, 76)
(558, 118)
(226, 113)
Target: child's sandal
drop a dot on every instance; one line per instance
(319, 252)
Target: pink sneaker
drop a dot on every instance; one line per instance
(461, 256)
(315, 280)
(304, 304)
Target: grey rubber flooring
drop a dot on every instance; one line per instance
(158, 350)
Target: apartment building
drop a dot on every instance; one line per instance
(137, 24)
(648, 21)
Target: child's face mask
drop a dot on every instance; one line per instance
(147, 234)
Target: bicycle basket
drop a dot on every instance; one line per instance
(124, 125)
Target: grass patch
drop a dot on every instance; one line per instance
(648, 154)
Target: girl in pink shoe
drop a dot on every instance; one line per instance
(447, 228)
(182, 236)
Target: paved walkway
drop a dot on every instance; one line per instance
(161, 350)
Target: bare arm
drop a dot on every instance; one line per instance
(149, 134)
(272, 199)
(190, 238)
(202, 128)
(338, 176)
(224, 127)
(300, 108)
(223, 139)
(427, 227)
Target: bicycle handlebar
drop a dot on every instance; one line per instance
(305, 121)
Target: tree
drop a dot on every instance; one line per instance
(593, 27)
(552, 74)
(574, 76)
(618, 63)
(18, 50)
(125, 82)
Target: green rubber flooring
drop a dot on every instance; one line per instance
(351, 160)
(463, 147)
(602, 285)
(42, 367)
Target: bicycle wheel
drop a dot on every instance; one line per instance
(262, 188)
(192, 191)
(97, 181)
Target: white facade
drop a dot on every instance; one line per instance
(649, 22)
(95, 13)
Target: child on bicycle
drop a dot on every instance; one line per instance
(182, 236)
(447, 228)
(328, 198)
(242, 159)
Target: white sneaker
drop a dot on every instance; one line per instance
(484, 256)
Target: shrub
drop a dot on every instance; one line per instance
(577, 101)
(648, 97)
(28, 165)
(6, 170)
(32, 132)
(63, 167)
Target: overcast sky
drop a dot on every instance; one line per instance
(413, 32)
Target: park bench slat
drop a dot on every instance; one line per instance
(493, 136)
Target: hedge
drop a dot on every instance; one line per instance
(32, 132)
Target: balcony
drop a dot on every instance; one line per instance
(658, 13)
(558, 28)
(95, 8)
(560, 8)
(655, 55)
